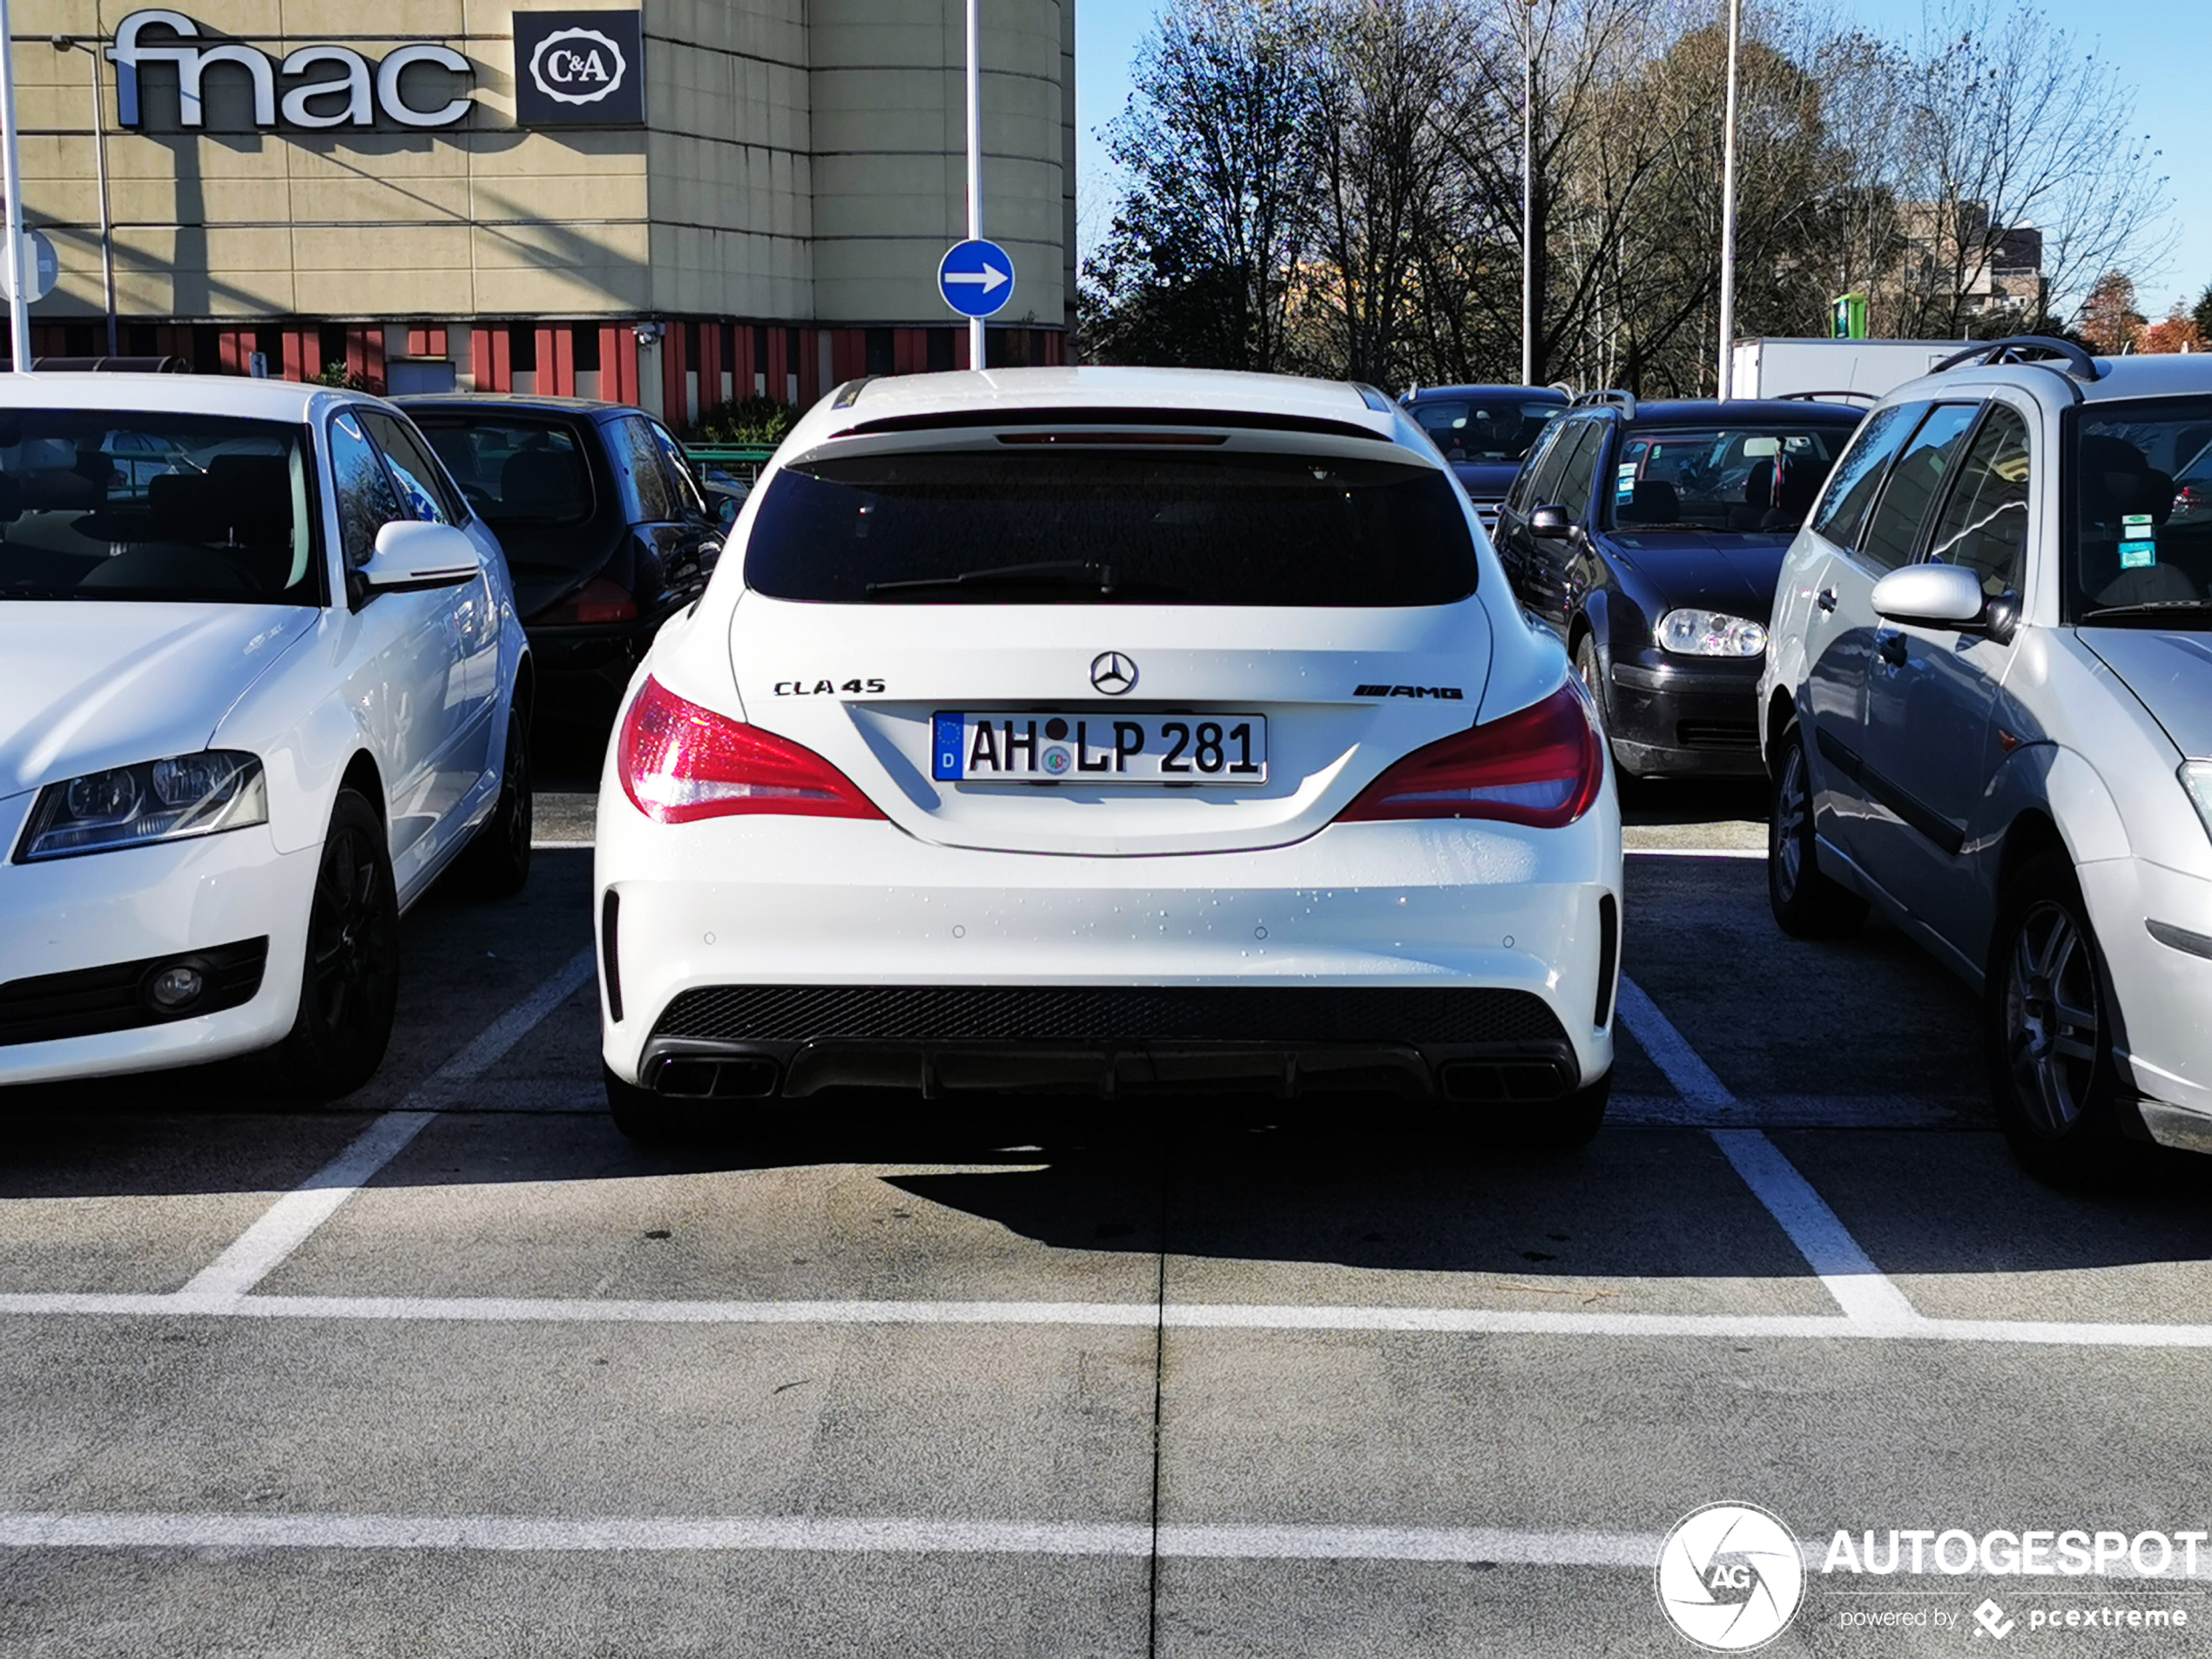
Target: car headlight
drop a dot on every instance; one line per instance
(1710, 633)
(2196, 778)
(157, 800)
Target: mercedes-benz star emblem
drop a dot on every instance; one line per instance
(1112, 673)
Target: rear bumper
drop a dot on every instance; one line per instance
(1470, 1044)
(1677, 720)
(842, 952)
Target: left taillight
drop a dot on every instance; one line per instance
(1541, 766)
(679, 762)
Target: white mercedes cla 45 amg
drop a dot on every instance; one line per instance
(1103, 730)
(261, 683)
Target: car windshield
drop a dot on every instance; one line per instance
(96, 504)
(2141, 493)
(1485, 429)
(1744, 480)
(513, 472)
(1238, 527)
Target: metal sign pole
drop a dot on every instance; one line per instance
(975, 357)
(1727, 377)
(11, 182)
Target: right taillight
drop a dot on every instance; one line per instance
(679, 762)
(598, 602)
(1542, 766)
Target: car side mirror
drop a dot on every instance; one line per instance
(728, 515)
(1931, 596)
(412, 555)
(1552, 523)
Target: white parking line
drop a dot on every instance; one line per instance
(871, 1535)
(1181, 1315)
(1860, 1289)
(289, 1222)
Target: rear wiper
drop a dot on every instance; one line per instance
(29, 593)
(1052, 573)
(2149, 607)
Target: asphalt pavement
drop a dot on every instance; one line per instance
(455, 1369)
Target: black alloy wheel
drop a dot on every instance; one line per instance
(2049, 1028)
(496, 862)
(350, 976)
(1807, 902)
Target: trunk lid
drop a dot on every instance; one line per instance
(1344, 693)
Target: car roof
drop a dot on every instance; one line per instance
(1707, 411)
(545, 400)
(1526, 394)
(232, 394)
(1012, 392)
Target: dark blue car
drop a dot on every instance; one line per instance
(1485, 432)
(1651, 536)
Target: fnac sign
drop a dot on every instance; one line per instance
(335, 85)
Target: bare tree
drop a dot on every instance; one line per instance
(2011, 130)
(1198, 263)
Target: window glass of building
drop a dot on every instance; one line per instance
(1858, 475)
(653, 496)
(366, 501)
(1914, 484)
(421, 485)
(1984, 527)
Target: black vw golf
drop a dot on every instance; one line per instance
(1650, 536)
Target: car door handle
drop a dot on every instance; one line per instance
(1892, 650)
(1827, 599)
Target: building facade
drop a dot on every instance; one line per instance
(681, 204)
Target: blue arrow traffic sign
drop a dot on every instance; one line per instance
(975, 278)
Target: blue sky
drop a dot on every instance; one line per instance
(2155, 44)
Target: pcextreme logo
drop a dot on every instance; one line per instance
(1730, 1577)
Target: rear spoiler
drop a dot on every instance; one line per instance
(1218, 419)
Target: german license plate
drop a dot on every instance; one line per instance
(1050, 747)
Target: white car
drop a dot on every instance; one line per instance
(260, 682)
(1989, 705)
(1097, 730)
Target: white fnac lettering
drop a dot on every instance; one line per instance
(349, 89)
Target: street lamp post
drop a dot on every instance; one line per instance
(1726, 381)
(975, 355)
(62, 44)
(11, 182)
(1529, 321)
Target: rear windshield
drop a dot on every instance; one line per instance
(1485, 429)
(513, 472)
(1737, 479)
(152, 506)
(1232, 529)
(2142, 513)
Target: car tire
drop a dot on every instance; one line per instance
(350, 973)
(654, 1120)
(1808, 903)
(2048, 1023)
(496, 862)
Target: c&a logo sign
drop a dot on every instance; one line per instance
(579, 69)
(1730, 1577)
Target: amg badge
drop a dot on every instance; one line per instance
(1449, 693)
